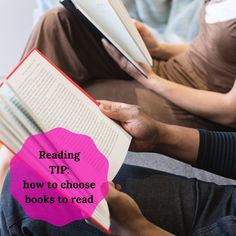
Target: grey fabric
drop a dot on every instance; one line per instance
(181, 206)
(169, 165)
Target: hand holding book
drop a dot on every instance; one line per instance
(127, 218)
(149, 39)
(30, 106)
(145, 77)
(144, 130)
(109, 19)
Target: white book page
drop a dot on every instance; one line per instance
(14, 117)
(123, 14)
(105, 18)
(56, 102)
(11, 132)
(8, 138)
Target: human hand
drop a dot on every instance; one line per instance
(127, 218)
(143, 129)
(149, 39)
(129, 68)
(125, 213)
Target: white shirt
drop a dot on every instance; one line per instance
(220, 11)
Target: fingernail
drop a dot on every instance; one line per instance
(104, 41)
(104, 107)
(118, 187)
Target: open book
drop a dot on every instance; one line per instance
(109, 19)
(37, 97)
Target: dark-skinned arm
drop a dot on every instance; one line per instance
(211, 151)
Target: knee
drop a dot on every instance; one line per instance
(55, 14)
(55, 18)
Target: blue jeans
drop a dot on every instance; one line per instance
(181, 206)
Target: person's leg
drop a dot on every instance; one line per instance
(76, 50)
(69, 44)
(180, 205)
(14, 221)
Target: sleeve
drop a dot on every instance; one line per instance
(217, 153)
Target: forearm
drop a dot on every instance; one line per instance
(211, 151)
(178, 142)
(166, 51)
(213, 106)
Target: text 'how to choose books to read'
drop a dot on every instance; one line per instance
(59, 173)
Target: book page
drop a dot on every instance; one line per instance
(15, 120)
(123, 14)
(56, 102)
(53, 101)
(105, 18)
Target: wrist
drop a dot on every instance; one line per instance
(159, 131)
(153, 82)
(178, 142)
(139, 226)
(162, 138)
(136, 226)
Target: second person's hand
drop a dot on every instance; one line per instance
(129, 68)
(149, 39)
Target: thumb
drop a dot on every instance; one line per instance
(116, 111)
(113, 193)
(140, 27)
(146, 68)
(137, 23)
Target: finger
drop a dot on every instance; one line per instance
(146, 68)
(117, 111)
(109, 105)
(123, 63)
(118, 57)
(140, 27)
(112, 51)
(134, 21)
(112, 193)
(138, 24)
(118, 187)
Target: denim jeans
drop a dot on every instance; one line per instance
(181, 206)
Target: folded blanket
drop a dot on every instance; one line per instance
(172, 21)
